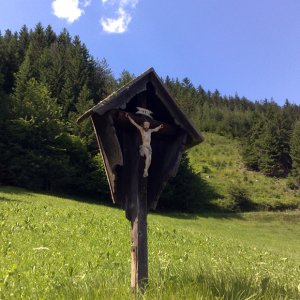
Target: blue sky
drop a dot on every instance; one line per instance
(251, 48)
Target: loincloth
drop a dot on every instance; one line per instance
(143, 148)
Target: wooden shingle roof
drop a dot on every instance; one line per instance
(120, 98)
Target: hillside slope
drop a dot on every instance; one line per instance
(218, 162)
(59, 248)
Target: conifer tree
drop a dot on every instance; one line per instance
(50, 36)
(251, 145)
(83, 130)
(76, 74)
(9, 60)
(274, 140)
(125, 77)
(23, 43)
(4, 134)
(101, 81)
(295, 153)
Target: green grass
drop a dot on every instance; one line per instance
(218, 161)
(59, 248)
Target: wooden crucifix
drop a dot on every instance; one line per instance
(140, 153)
(138, 210)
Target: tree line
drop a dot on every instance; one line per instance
(47, 80)
(269, 134)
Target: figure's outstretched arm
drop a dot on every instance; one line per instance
(157, 128)
(133, 122)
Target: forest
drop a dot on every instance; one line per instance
(48, 80)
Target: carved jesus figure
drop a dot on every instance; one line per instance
(145, 148)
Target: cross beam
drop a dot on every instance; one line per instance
(167, 130)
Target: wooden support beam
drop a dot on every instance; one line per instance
(142, 236)
(139, 244)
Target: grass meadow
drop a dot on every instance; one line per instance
(59, 248)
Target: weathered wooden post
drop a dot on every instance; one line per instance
(141, 134)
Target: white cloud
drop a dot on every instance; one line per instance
(72, 10)
(131, 3)
(120, 23)
(117, 25)
(86, 3)
(69, 9)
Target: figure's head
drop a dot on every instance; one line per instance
(146, 125)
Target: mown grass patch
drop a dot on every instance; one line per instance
(57, 248)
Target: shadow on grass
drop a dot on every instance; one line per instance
(192, 199)
(3, 199)
(14, 190)
(88, 199)
(189, 196)
(195, 216)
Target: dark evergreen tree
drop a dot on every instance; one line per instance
(23, 43)
(295, 153)
(52, 70)
(275, 159)
(101, 81)
(267, 146)
(125, 77)
(84, 130)
(9, 59)
(251, 145)
(76, 74)
(50, 36)
(35, 127)
(4, 129)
